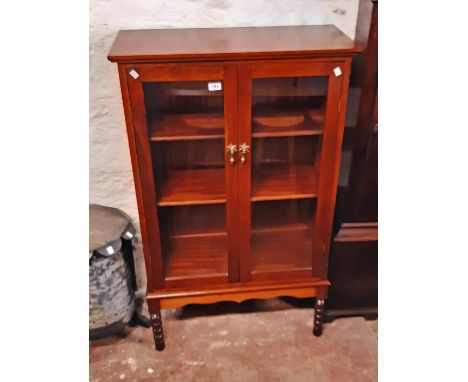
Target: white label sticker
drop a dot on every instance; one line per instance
(129, 234)
(110, 250)
(134, 73)
(337, 71)
(214, 86)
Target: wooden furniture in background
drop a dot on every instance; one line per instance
(353, 264)
(235, 138)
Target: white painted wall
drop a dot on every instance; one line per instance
(111, 181)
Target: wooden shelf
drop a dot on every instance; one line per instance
(177, 127)
(281, 228)
(287, 248)
(284, 182)
(267, 132)
(189, 259)
(309, 126)
(192, 187)
(357, 232)
(201, 233)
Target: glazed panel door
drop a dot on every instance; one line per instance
(183, 118)
(289, 147)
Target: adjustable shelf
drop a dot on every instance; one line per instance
(276, 123)
(280, 250)
(284, 182)
(199, 257)
(181, 127)
(192, 187)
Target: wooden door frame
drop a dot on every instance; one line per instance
(330, 157)
(140, 152)
(329, 168)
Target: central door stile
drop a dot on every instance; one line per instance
(231, 166)
(244, 131)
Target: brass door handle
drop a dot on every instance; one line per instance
(243, 149)
(231, 149)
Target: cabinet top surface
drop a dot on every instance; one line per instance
(230, 43)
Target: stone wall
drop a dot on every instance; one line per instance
(111, 181)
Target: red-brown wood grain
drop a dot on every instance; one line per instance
(137, 178)
(188, 187)
(305, 128)
(244, 111)
(175, 297)
(232, 184)
(174, 127)
(141, 155)
(202, 258)
(284, 182)
(214, 230)
(329, 168)
(230, 43)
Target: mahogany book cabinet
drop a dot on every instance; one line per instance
(353, 262)
(235, 138)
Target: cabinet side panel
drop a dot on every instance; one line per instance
(133, 99)
(329, 168)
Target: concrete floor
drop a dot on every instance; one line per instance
(257, 340)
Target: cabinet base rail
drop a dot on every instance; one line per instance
(166, 299)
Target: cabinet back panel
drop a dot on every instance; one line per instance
(183, 97)
(275, 214)
(193, 220)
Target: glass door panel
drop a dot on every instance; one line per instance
(288, 116)
(186, 126)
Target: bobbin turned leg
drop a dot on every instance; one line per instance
(156, 324)
(318, 317)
